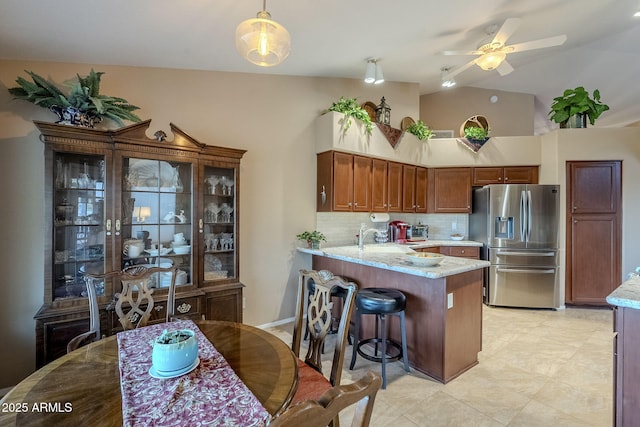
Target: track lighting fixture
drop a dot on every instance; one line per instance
(373, 73)
(447, 80)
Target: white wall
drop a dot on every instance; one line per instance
(273, 117)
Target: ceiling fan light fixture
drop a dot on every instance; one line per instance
(263, 41)
(491, 60)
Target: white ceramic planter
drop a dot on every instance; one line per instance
(173, 357)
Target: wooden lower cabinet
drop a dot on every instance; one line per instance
(626, 411)
(54, 333)
(472, 252)
(225, 303)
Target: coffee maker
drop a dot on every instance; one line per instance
(398, 231)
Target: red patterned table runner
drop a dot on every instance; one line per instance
(211, 394)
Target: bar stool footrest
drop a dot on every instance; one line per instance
(390, 344)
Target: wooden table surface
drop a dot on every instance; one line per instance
(83, 388)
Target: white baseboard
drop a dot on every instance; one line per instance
(276, 323)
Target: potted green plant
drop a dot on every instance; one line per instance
(352, 110)
(313, 238)
(420, 130)
(84, 105)
(476, 134)
(576, 104)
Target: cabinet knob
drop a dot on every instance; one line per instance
(499, 178)
(506, 178)
(355, 204)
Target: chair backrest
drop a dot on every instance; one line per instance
(318, 312)
(137, 279)
(312, 413)
(93, 334)
(171, 296)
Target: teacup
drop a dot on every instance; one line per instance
(132, 251)
(179, 238)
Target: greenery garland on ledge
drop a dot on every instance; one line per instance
(351, 109)
(84, 97)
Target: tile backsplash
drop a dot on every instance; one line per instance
(341, 228)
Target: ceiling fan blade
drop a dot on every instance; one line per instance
(504, 68)
(460, 52)
(538, 44)
(460, 69)
(508, 28)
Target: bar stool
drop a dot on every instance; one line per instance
(380, 302)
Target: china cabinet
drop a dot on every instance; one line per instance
(116, 198)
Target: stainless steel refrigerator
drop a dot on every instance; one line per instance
(518, 226)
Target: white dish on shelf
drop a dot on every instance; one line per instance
(156, 252)
(182, 250)
(457, 237)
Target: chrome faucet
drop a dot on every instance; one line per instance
(363, 233)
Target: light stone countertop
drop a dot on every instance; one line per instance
(391, 256)
(627, 294)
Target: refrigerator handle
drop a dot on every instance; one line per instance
(523, 217)
(529, 215)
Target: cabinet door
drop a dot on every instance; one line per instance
(596, 187)
(362, 184)
(521, 175)
(461, 251)
(156, 216)
(421, 190)
(218, 238)
(379, 185)
(450, 190)
(486, 176)
(394, 185)
(408, 188)
(79, 214)
(342, 182)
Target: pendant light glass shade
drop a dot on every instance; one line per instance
(263, 41)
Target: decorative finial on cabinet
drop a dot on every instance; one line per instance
(160, 136)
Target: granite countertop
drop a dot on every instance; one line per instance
(391, 256)
(627, 294)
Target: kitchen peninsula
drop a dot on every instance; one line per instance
(444, 302)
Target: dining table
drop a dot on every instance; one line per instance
(83, 387)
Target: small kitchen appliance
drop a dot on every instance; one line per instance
(419, 232)
(398, 231)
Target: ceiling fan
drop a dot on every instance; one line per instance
(492, 55)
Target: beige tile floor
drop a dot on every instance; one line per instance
(537, 368)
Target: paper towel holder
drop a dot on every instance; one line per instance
(379, 217)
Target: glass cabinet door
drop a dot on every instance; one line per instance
(157, 212)
(78, 223)
(220, 256)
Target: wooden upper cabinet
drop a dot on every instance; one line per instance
(505, 175)
(599, 187)
(414, 189)
(449, 190)
(379, 186)
(361, 184)
(421, 194)
(394, 187)
(343, 182)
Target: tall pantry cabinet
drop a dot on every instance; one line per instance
(117, 198)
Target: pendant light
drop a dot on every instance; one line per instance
(373, 73)
(263, 41)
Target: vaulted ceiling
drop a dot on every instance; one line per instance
(334, 38)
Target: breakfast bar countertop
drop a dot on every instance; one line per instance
(627, 294)
(392, 256)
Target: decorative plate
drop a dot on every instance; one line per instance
(370, 108)
(406, 122)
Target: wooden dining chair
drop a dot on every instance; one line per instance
(321, 412)
(136, 280)
(93, 334)
(311, 381)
